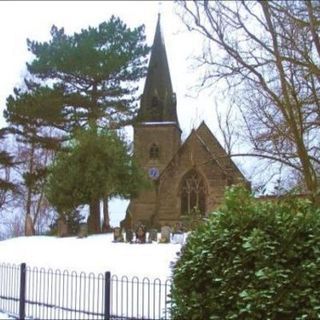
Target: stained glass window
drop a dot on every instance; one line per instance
(192, 193)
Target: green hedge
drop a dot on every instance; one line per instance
(251, 260)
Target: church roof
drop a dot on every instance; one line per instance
(158, 101)
(215, 151)
(218, 153)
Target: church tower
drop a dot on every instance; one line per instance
(157, 135)
(187, 178)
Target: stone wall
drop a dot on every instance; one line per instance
(167, 137)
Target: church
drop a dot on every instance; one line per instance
(187, 177)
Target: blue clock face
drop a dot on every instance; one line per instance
(153, 173)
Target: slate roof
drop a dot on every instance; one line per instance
(158, 101)
(214, 149)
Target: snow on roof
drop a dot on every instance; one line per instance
(158, 123)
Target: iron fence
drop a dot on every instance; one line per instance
(38, 293)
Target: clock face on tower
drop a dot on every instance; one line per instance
(153, 173)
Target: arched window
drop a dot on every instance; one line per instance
(154, 152)
(192, 193)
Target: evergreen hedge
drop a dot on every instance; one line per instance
(251, 260)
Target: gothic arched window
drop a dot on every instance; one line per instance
(154, 152)
(192, 193)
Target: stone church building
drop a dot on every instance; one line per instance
(187, 176)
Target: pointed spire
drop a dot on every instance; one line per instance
(158, 102)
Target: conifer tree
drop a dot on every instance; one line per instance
(85, 80)
(95, 166)
(93, 72)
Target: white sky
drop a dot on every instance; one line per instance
(20, 20)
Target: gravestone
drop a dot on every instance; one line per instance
(153, 235)
(177, 235)
(165, 234)
(178, 238)
(129, 235)
(62, 227)
(141, 234)
(117, 235)
(83, 230)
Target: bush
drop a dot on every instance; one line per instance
(251, 260)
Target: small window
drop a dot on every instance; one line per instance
(154, 152)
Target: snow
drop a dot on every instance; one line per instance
(4, 316)
(96, 254)
(158, 123)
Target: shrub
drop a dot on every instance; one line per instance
(251, 260)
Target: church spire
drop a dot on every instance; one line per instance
(158, 102)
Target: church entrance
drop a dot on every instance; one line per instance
(192, 190)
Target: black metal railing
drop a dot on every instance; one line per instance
(38, 293)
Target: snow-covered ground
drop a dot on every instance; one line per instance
(4, 316)
(92, 254)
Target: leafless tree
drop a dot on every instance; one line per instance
(267, 54)
(7, 186)
(33, 163)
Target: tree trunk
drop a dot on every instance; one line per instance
(106, 219)
(288, 111)
(94, 217)
(29, 227)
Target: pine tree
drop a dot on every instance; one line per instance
(85, 80)
(93, 71)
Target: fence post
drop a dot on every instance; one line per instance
(22, 300)
(107, 296)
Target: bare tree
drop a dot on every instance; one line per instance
(7, 186)
(32, 172)
(227, 126)
(267, 55)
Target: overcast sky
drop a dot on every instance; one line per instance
(20, 20)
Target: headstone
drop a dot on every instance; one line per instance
(141, 234)
(62, 227)
(153, 235)
(165, 234)
(129, 235)
(117, 235)
(178, 238)
(83, 230)
(177, 235)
